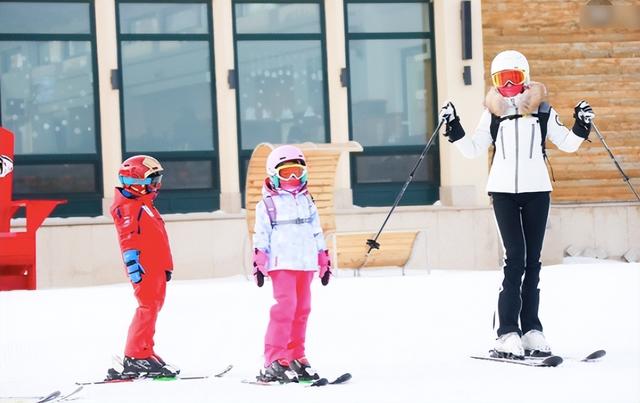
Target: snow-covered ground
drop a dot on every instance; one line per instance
(404, 339)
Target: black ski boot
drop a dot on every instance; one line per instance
(146, 368)
(277, 371)
(159, 359)
(170, 368)
(303, 369)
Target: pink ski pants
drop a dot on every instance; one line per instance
(288, 319)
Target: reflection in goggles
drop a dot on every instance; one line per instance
(291, 171)
(502, 78)
(152, 180)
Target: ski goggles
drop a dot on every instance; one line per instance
(154, 180)
(290, 171)
(504, 77)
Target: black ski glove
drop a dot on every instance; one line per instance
(583, 114)
(260, 261)
(454, 130)
(168, 275)
(324, 265)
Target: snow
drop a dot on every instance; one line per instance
(404, 339)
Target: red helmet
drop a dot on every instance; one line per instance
(140, 174)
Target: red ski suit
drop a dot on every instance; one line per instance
(140, 227)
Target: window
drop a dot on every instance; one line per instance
(392, 100)
(282, 85)
(48, 99)
(167, 98)
(32, 17)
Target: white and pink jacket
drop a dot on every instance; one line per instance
(292, 241)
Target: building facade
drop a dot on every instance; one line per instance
(198, 84)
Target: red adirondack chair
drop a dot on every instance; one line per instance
(18, 249)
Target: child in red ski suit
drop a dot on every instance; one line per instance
(147, 257)
(289, 248)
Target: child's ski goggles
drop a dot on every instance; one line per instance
(151, 180)
(502, 78)
(287, 172)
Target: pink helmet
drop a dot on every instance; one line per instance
(282, 154)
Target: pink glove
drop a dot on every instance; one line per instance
(260, 260)
(324, 263)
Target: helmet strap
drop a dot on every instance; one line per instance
(127, 194)
(275, 181)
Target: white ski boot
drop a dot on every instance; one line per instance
(508, 346)
(535, 345)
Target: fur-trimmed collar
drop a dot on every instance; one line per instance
(527, 102)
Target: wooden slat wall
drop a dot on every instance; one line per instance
(599, 65)
(322, 164)
(253, 184)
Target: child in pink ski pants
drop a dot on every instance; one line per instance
(289, 247)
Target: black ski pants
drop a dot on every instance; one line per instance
(522, 219)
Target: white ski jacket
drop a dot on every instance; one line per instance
(290, 246)
(518, 164)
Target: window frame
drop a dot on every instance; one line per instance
(81, 203)
(179, 200)
(245, 155)
(384, 193)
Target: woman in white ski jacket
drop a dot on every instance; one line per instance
(516, 121)
(289, 247)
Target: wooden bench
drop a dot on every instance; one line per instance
(348, 249)
(396, 250)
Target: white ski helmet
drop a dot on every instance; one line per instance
(510, 60)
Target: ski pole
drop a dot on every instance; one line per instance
(615, 161)
(373, 243)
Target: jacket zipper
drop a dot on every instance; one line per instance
(517, 150)
(504, 157)
(533, 133)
